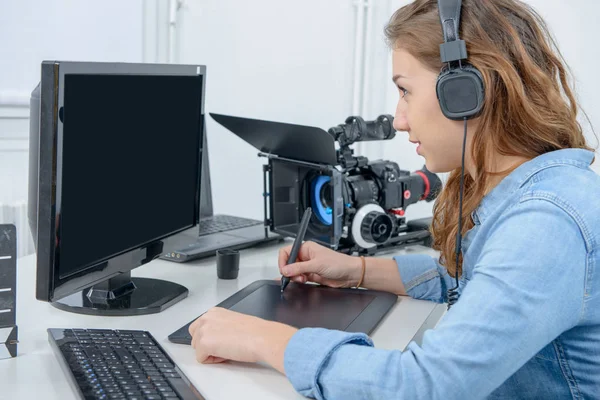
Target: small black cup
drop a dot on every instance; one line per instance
(228, 263)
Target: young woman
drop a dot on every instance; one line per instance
(527, 322)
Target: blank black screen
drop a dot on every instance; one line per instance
(129, 163)
(303, 306)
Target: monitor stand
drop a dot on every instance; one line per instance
(123, 295)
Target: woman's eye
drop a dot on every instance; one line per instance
(403, 92)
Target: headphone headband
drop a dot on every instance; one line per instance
(453, 48)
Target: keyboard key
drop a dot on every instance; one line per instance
(180, 387)
(146, 364)
(123, 354)
(168, 370)
(110, 386)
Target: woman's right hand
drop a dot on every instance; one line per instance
(319, 264)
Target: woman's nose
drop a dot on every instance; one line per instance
(400, 123)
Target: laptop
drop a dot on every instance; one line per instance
(220, 231)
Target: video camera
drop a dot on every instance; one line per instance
(358, 206)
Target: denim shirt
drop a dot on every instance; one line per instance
(527, 324)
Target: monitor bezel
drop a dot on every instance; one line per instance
(50, 286)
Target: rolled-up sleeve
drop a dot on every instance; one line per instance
(423, 277)
(302, 366)
(525, 291)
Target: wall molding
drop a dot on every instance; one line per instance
(14, 124)
(13, 141)
(14, 145)
(13, 99)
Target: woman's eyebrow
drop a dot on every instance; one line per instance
(398, 76)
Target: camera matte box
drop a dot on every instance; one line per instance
(297, 153)
(300, 142)
(8, 288)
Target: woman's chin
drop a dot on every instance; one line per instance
(436, 168)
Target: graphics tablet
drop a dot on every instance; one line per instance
(306, 306)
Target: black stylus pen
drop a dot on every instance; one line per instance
(297, 243)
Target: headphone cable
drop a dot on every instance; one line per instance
(453, 294)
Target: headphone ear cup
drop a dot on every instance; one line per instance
(460, 92)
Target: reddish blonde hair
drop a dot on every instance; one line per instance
(529, 108)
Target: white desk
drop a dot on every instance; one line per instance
(36, 372)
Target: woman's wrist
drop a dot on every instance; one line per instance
(380, 274)
(274, 340)
(355, 271)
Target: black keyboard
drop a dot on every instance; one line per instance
(116, 364)
(222, 223)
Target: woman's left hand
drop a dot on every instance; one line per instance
(221, 334)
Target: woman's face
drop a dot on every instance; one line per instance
(438, 139)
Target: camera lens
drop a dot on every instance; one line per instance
(326, 195)
(364, 190)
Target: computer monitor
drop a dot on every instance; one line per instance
(114, 176)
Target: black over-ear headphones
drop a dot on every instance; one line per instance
(459, 87)
(460, 93)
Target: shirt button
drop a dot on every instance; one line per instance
(475, 218)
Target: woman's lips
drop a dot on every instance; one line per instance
(418, 145)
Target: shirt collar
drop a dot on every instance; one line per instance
(520, 175)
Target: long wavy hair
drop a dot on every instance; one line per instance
(529, 108)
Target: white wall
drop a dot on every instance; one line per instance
(36, 30)
(266, 59)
